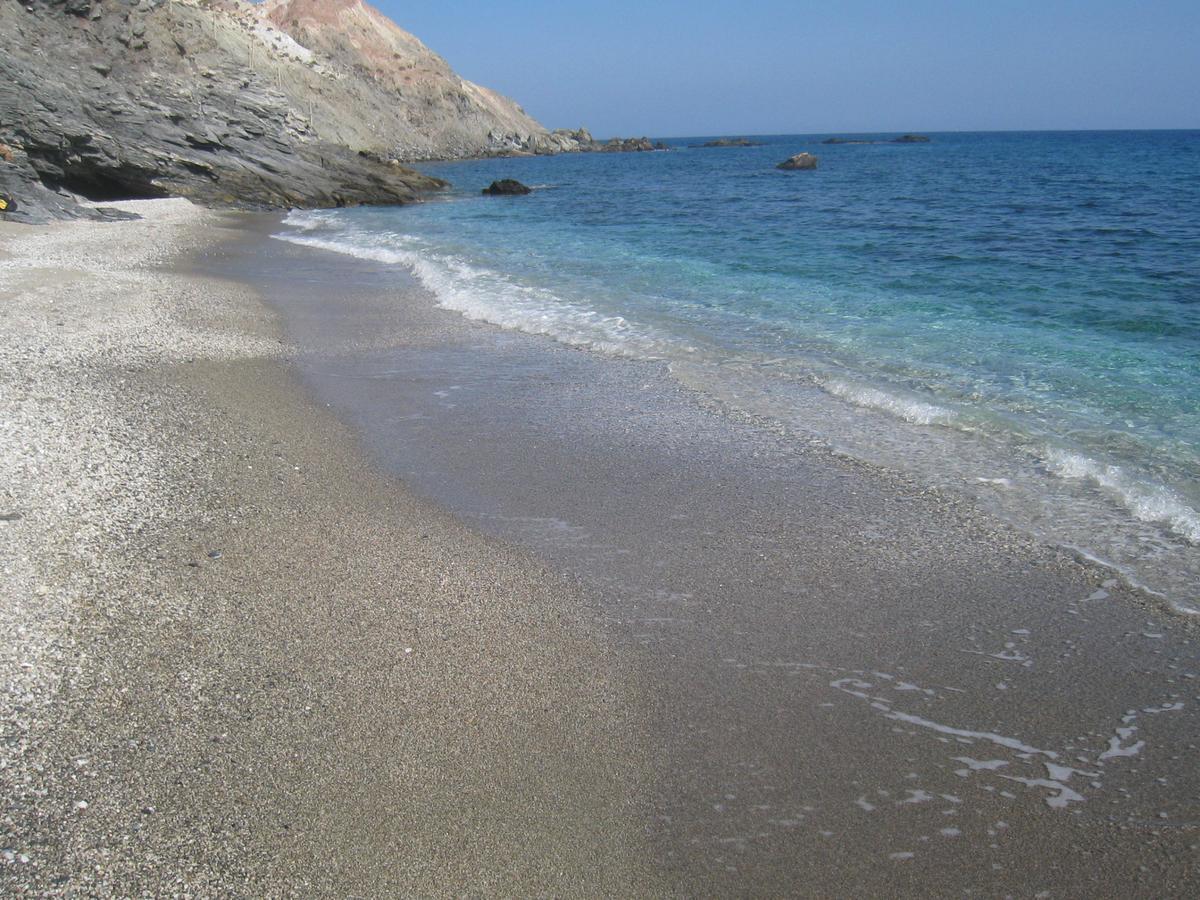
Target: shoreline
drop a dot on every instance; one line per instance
(280, 674)
(980, 498)
(564, 729)
(732, 568)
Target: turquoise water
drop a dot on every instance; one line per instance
(1016, 316)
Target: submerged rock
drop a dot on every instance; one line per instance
(507, 187)
(799, 161)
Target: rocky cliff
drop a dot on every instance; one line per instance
(420, 108)
(280, 104)
(107, 99)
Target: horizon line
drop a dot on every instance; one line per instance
(764, 134)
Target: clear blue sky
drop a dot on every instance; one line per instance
(673, 68)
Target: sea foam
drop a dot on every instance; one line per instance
(909, 409)
(1147, 502)
(487, 296)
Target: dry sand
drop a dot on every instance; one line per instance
(238, 663)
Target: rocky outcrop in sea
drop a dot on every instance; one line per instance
(507, 187)
(800, 161)
(728, 142)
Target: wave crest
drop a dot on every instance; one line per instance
(1147, 502)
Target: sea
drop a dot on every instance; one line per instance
(1010, 316)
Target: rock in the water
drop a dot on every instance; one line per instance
(729, 142)
(626, 145)
(911, 139)
(581, 141)
(799, 161)
(506, 187)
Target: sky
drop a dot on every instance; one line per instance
(668, 69)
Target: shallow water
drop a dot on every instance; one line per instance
(1012, 315)
(847, 681)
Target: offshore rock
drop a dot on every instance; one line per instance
(581, 141)
(729, 142)
(799, 161)
(627, 145)
(507, 187)
(911, 139)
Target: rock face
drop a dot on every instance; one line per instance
(507, 187)
(110, 99)
(395, 91)
(799, 161)
(228, 102)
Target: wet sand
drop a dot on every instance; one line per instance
(342, 595)
(862, 685)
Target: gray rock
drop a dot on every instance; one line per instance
(581, 141)
(506, 187)
(800, 161)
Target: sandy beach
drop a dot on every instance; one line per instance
(239, 663)
(313, 589)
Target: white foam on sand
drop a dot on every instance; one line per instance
(1057, 777)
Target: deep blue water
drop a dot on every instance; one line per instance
(1013, 315)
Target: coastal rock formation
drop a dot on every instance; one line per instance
(729, 142)
(402, 95)
(581, 141)
(112, 99)
(227, 102)
(911, 139)
(507, 187)
(629, 145)
(799, 161)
